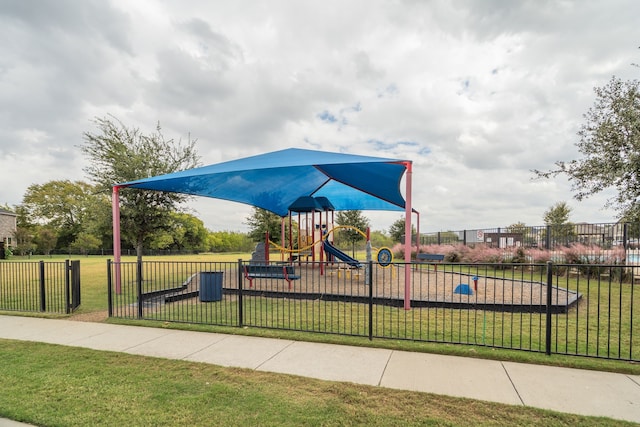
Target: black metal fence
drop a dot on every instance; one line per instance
(51, 287)
(585, 310)
(603, 235)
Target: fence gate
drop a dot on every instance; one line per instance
(73, 279)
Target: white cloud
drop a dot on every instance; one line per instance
(475, 93)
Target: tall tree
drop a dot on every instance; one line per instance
(26, 231)
(518, 227)
(557, 218)
(261, 221)
(396, 231)
(610, 144)
(380, 239)
(119, 154)
(24, 241)
(557, 214)
(86, 242)
(60, 205)
(99, 223)
(353, 218)
(46, 240)
(230, 241)
(188, 232)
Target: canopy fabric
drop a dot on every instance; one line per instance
(305, 204)
(273, 181)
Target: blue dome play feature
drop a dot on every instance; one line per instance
(463, 289)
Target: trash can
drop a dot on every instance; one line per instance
(210, 286)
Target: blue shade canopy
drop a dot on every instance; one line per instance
(273, 181)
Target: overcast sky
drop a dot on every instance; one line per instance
(476, 93)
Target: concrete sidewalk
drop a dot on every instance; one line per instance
(559, 389)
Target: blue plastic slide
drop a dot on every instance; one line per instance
(330, 249)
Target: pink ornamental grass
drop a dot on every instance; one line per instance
(480, 253)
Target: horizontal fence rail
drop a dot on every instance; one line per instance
(552, 308)
(622, 236)
(50, 287)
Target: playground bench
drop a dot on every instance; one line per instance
(422, 257)
(283, 272)
(429, 257)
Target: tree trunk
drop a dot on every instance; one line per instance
(139, 247)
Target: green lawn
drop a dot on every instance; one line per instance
(52, 385)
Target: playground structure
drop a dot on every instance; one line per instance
(315, 239)
(314, 245)
(274, 181)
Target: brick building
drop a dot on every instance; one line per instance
(7, 230)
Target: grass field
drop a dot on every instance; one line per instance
(50, 385)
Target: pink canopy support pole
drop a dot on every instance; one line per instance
(290, 239)
(407, 238)
(115, 208)
(321, 246)
(313, 237)
(298, 239)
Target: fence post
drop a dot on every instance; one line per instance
(43, 296)
(240, 304)
(67, 285)
(625, 237)
(76, 285)
(109, 294)
(370, 283)
(548, 308)
(547, 242)
(139, 286)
